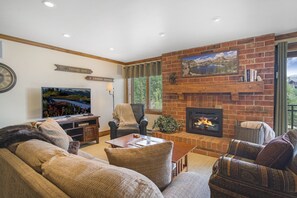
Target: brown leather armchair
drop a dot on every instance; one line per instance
(140, 127)
(236, 174)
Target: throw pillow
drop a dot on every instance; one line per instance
(154, 161)
(74, 147)
(277, 153)
(293, 139)
(54, 131)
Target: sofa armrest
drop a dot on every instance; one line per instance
(244, 149)
(142, 126)
(256, 175)
(187, 184)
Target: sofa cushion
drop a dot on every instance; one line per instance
(35, 152)
(187, 184)
(55, 132)
(81, 177)
(293, 139)
(277, 153)
(154, 161)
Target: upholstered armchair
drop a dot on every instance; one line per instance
(238, 173)
(117, 129)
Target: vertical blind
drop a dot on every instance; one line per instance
(143, 70)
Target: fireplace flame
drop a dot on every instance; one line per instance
(203, 121)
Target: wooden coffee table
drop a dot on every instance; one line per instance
(179, 154)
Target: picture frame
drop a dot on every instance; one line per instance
(216, 63)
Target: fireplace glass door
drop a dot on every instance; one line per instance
(204, 121)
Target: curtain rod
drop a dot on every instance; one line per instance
(143, 63)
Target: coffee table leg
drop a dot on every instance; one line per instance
(186, 163)
(181, 165)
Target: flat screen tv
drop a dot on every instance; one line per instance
(58, 102)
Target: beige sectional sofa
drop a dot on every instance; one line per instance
(39, 169)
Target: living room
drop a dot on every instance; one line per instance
(97, 51)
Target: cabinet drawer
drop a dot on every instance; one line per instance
(90, 133)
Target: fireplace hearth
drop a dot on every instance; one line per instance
(204, 121)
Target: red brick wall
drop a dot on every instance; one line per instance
(253, 53)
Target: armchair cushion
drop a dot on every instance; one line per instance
(153, 161)
(277, 153)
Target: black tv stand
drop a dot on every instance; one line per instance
(81, 128)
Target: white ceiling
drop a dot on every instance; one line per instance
(133, 27)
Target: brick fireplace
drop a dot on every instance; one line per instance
(253, 53)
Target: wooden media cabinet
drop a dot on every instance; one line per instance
(82, 128)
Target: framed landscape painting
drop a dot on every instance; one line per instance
(218, 63)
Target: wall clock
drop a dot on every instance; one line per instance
(7, 78)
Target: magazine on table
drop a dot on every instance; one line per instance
(144, 142)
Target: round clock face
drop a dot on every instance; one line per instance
(7, 78)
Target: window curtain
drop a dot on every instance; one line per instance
(143, 70)
(281, 106)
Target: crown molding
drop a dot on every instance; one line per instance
(291, 35)
(51, 47)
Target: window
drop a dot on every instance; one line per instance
(155, 92)
(139, 90)
(144, 85)
(148, 91)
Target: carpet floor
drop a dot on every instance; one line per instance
(200, 164)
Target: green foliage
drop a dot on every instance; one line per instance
(166, 124)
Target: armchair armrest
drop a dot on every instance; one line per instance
(114, 124)
(256, 175)
(142, 126)
(244, 149)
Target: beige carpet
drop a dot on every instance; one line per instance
(200, 164)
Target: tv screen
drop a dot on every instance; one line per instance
(65, 101)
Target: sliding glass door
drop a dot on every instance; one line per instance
(292, 90)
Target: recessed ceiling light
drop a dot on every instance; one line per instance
(66, 35)
(48, 3)
(162, 34)
(216, 19)
(111, 49)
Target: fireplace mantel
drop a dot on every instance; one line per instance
(234, 89)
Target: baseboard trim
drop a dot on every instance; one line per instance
(104, 133)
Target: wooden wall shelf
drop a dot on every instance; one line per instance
(234, 89)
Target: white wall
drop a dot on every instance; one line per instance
(34, 67)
